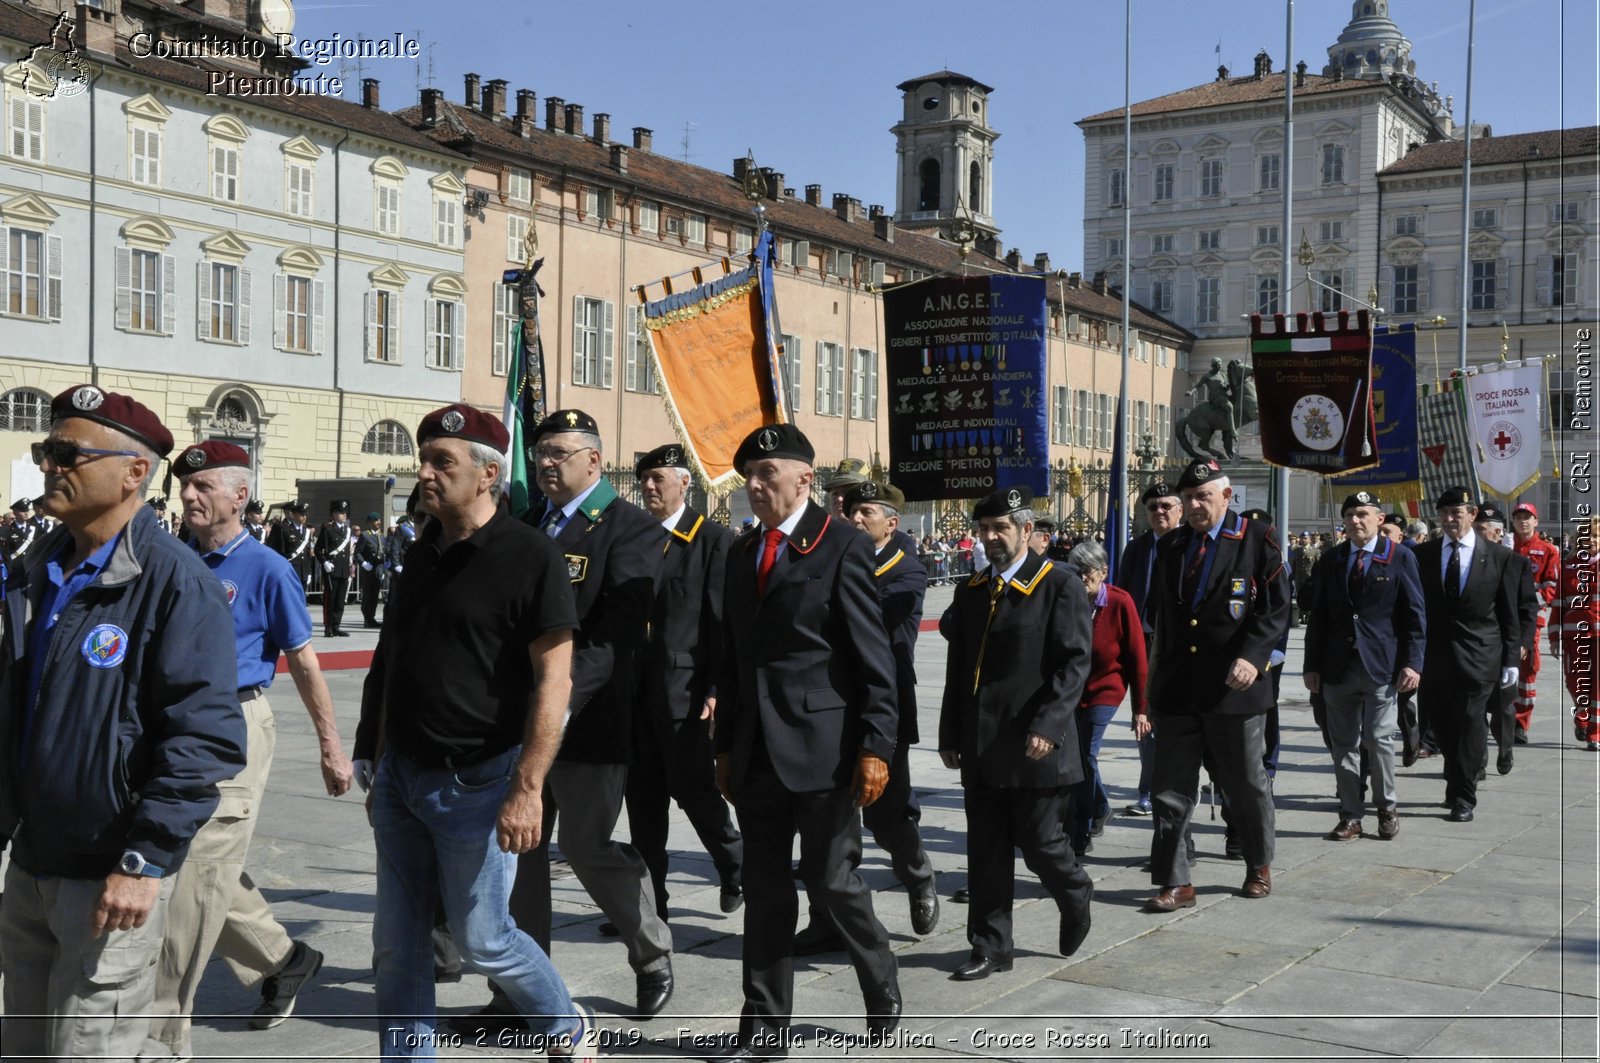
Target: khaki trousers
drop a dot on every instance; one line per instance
(68, 994)
(215, 906)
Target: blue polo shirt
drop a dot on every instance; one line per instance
(268, 604)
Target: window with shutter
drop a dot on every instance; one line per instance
(790, 358)
(319, 316)
(225, 172)
(243, 318)
(458, 337)
(26, 119)
(500, 355)
(608, 344)
(280, 311)
(53, 255)
(169, 296)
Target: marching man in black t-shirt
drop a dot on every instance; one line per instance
(462, 712)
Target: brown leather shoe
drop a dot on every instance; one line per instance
(1258, 884)
(1348, 830)
(1388, 824)
(1170, 899)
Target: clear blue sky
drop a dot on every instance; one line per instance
(809, 87)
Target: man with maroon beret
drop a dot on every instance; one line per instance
(118, 720)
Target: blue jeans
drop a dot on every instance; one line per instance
(435, 831)
(1089, 798)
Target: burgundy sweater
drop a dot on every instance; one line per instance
(1117, 661)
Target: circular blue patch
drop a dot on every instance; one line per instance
(105, 646)
(231, 588)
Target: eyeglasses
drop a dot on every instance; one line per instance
(1159, 507)
(64, 455)
(553, 456)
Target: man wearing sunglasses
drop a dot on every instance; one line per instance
(1163, 509)
(118, 719)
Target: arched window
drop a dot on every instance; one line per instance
(231, 409)
(24, 410)
(387, 437)
(928, 185)
(975, 189)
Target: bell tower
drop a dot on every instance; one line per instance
(945, 155)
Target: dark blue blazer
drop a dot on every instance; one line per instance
(1385, 632)
(1133, 575)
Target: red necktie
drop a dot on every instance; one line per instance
(1358, 572)
(769, 558)
(1191, 575)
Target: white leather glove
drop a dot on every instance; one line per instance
(327, 566)
(366, 566)
(399, 569)
(364, 774)
(1276, 659)
(1508, 676)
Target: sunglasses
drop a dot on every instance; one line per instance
(64, 455)
(1158, 507)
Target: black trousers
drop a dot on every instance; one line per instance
(671, 763)
(334, 591)
(1233, 746)
(371, 593)
(998, 822)
(770, 815)
(1503, 716)
(1457, 707)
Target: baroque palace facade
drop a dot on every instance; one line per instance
(307, 276)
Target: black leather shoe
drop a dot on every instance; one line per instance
(883, 1009)
(961, 896)
(817, 939)
(1073, 934)
(608, 929)
(979, 967)
(924, 909)
(1231, 848)
(655, 989)
(1461, 814)
(1521, 736)
(1502, 763)
(731, 898)
(488, 1024)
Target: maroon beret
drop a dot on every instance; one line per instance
(460, 421)
(114, 411)
(212, 454)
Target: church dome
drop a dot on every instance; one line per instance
(1371, 46)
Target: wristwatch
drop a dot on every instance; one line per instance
(132, 863)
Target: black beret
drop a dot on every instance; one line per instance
(847, 472)
(1357, 500)
(114, 411)
(212, 454)
(460, 421)
(1455, 496)
(253, 506)
(21, 505)
(1159, 489)
(1260, 516)
(774, 441)
(374, 515)
(1198, 472)
(1003, 503)
(565, 421)
(667, 456)
(872, 491)
(1396, 519)
(1491, 513)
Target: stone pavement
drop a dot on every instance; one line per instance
(1454, 941)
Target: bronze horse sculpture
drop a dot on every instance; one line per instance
(1229, 403)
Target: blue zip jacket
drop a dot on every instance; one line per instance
(125, 755)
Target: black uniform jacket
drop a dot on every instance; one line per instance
(1242, 612)
(1481, 632)
(338, 545)
(680, 661)
(902, 583)
(1377, 636)
(1034, 663)
(613, 551)
(806, 668)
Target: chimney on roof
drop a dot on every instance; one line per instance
(1014, 260)
(1074, 280)
(741, 166)
(432, 99)
(988, 245)
(575, 119)
(641, 137)
(788, 193)
(1099, 282)
(774, 182)
(472, 91)
(527, 105)
(552, 113)
(494, 99)
(619, 158)
(369, 93)
(1263, 64)
(883, 225)
(602, 128)
(1041, 262)
(1222, 73)
(1300, 74)
(814, 195)
(96, 27)
(847, 207)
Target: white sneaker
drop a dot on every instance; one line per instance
(584, 1046)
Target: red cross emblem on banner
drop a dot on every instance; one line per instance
(1501, 441)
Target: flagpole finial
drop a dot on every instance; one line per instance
(1505, 341)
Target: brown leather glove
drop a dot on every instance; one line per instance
(725, 776)
(872, 775)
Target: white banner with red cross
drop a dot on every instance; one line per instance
(1503, 402)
